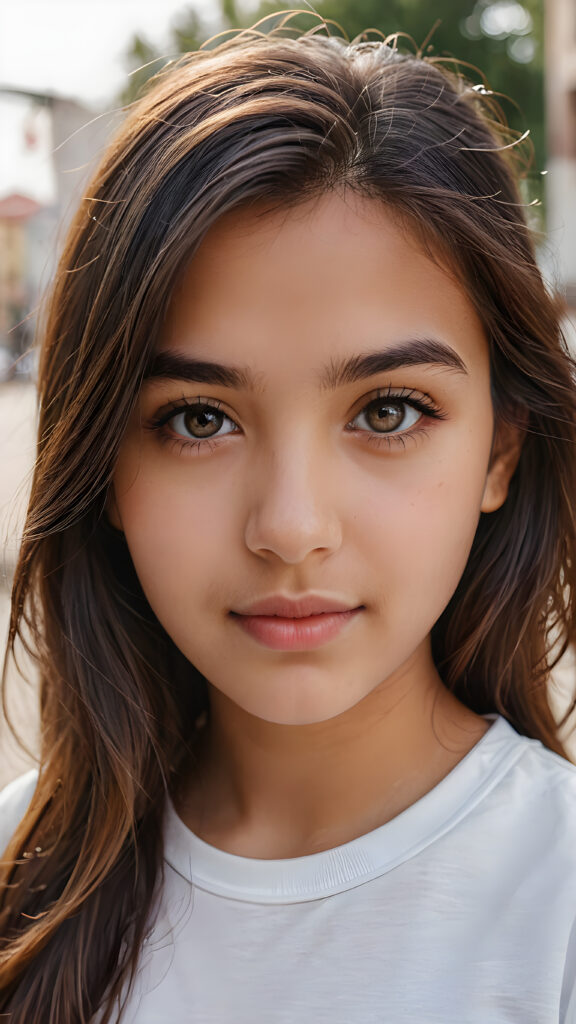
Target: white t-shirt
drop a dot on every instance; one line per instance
(461, 910)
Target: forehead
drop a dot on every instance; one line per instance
(337, 275)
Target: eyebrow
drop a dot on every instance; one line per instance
(421, 352)
(424, 352)
(175, 366)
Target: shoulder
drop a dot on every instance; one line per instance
(535, 809)
(14, 801)
(549, 772)
(546, 779)
(527, 801)
(532, 764)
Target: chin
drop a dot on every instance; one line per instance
(302, 709)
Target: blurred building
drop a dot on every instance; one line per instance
(26, 260)
(561, 118)
(15, 211)
(79, 135)
(31, 233)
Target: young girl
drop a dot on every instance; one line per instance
(298, 561)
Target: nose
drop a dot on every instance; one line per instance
(291, 507)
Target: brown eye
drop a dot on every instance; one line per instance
(201, 421)
(385, 416)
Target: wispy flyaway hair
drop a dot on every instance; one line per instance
(268, 119)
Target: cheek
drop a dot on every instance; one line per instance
(176, 533)
(418, 524)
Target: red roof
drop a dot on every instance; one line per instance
(18, 207)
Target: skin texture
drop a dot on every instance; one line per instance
(299, 494)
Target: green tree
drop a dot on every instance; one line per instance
(188, 31)
(501, 39)
(142, 60)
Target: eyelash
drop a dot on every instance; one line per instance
(422, 403)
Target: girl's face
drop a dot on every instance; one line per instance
(318, 425)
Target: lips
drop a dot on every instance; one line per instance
(295, 624)
(296, 608)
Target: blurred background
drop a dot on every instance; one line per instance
(69, 67)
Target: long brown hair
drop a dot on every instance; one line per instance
(257, 117)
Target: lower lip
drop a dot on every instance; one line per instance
(304, 634)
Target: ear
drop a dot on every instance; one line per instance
(111, 510)
(506, 449)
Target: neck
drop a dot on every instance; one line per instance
(260, 789)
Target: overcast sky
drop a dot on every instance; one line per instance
(74, 48)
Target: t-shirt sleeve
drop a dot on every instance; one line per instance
(14, 801)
